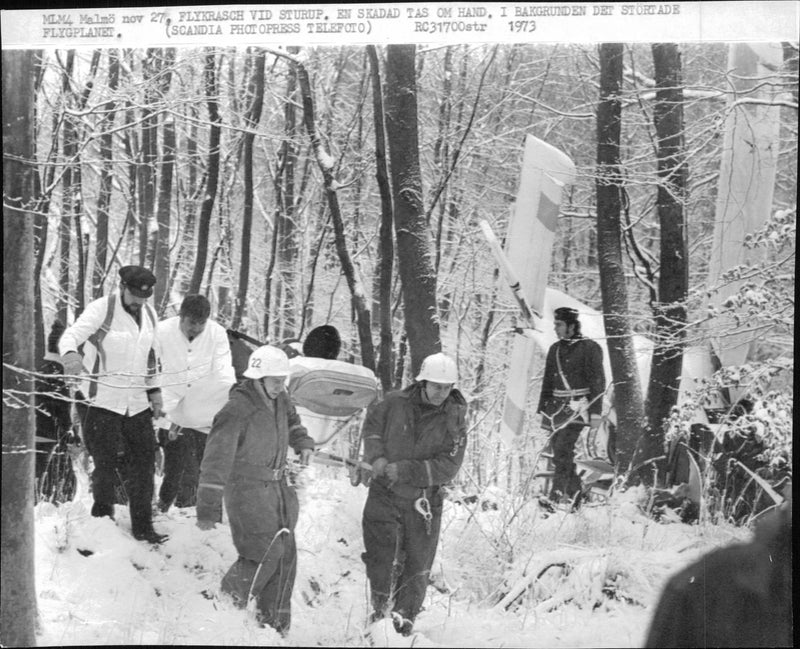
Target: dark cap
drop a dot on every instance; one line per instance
(566, 314)
(139, 281)
(323, 342)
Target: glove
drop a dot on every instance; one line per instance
(595, 421)
(391, 472)
(378, 467)
(156, 405)
(174, 431)
(73, 364)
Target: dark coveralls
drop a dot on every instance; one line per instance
(581, 377)
(427, 443)
(55, 476)
(245, 461)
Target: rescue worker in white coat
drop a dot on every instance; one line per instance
(197, 375)
(122, 395)
(245, 460)
(415, 440)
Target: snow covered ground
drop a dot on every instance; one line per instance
(506, 575)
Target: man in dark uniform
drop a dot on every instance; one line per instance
(415, 440)
(571, 398)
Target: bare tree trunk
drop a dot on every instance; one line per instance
(106, 180)
(673, 279)
(187, 193)
(128, 236)
(159, 240)
(161, 256)
(17, 587)
(252, 119)
(81, 238)
(210, 75)
(386, 245)
(358, 299)
(69, 150)
(285, 226)
(609, 185)
(41, 223)
(414, 245)
(151, 67)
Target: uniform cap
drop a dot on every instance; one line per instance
(267, 361)
(139, 281)
(566, 314)
(438, 368)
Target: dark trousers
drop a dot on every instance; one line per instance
(270, 582)
(399, 552)
(182, 458)
(565, 478)
(123, 449)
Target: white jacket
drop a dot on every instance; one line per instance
(130, 367)
(196, 376)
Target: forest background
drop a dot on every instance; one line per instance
(345, 184)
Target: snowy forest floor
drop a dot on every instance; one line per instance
(507, 574)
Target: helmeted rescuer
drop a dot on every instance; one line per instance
(197, 375)
(572, 393)
(415, 440)
(245, 463)
(122, 395)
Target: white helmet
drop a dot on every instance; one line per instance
(438, 368)
(267, 361)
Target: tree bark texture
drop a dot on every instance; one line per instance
(69, 150)
(252, 119)
(148, 156)
(385, 261)
(673, 280)
(285, 224)
(207, 206)
(41, 222)
(414, 243)
(106, 180)
(163, 219)
(17, 587)
(160, 247)
(625, 374)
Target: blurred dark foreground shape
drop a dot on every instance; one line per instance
(737, 596)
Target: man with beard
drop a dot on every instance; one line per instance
(122, 395)
(415, 440)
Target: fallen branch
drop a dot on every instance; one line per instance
(543, 563)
